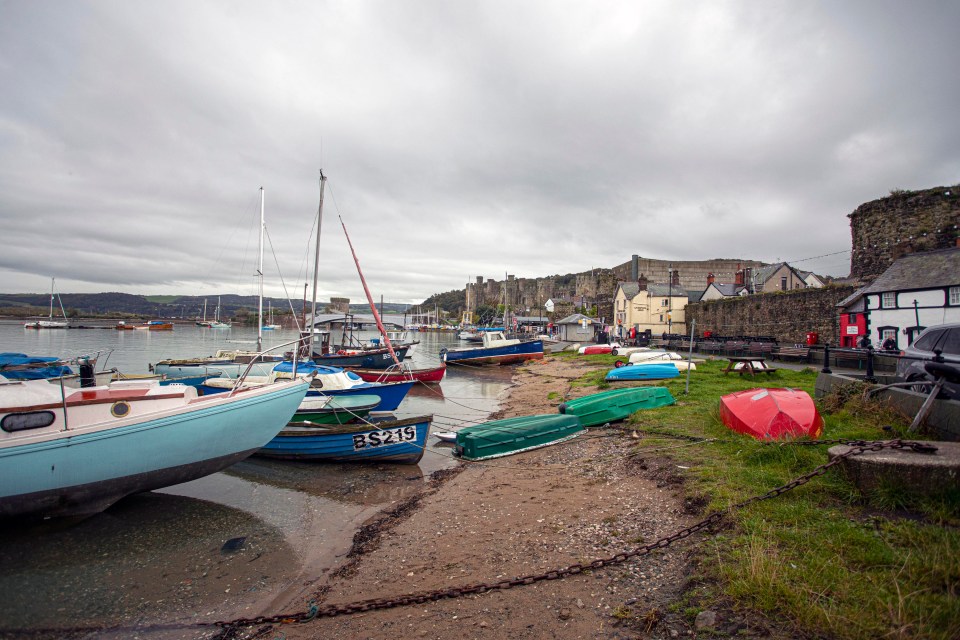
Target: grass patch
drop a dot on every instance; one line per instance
(821, 557)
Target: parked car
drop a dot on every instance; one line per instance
(944, 338)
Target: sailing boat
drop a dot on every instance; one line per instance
(51, 323)
(226, 363)
(204, 322)
(216, 324)
(270, 326)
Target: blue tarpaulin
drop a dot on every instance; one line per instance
(20, 366)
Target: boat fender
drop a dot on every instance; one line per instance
(562, 408)
(341, 352)
(619, 363)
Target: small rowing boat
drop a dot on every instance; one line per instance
(771, 414)
(649, 371)
(611, 406)
(513, 435)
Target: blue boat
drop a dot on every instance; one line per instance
(391, 394)
(496, 349)
(401, 441)
(327, 381)
(76, 453)
(362, 359)
(648, 371)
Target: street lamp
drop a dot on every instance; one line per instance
(670, 300)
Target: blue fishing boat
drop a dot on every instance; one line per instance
(401, 441)
(76, 452)
(496, 349)
(651, 371)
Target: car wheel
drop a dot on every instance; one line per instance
(614, 352)
(919, 388)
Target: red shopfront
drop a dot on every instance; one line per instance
(852, 326)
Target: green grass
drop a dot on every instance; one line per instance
(822, 557)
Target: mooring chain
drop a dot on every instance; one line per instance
(857, 447)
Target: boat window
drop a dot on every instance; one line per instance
(24, 421)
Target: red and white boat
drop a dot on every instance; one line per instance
(595, 349)
(393, 374)
(771, 414)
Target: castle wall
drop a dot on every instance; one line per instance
(905, 222)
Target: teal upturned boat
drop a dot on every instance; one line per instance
(610, 406)
(513, 435)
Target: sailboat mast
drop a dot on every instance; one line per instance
(52, 280)
(260, 275)
(316, 267)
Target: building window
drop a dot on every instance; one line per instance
(954, 295)
(664, 303)
(852, 318)
(889, 300)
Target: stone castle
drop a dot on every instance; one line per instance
(882, 231)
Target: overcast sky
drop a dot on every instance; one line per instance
(460, 138)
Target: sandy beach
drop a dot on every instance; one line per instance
(520, 515)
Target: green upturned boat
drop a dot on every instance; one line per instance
(513, 435)
(611, 406)
(334, 409)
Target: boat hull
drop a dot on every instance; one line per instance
(652, 371)
(431, 375)
(619, 404)
(391, 394)
(509, 354)
(512, 435)
(398, 441)
(371, 359)
(87, 468)
(340, 410)
(771, 414)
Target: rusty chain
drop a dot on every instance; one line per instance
(230, 628)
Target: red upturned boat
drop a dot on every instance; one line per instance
(393, 374)
(595, 349)
(771, 414)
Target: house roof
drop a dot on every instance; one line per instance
(575, 319)
(726, 290)
(765, 273)
(927, 270)
(631, 289)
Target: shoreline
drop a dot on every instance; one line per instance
(525, 514)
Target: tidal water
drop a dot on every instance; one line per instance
(240, 543)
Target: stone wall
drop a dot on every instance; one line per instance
(787, 316)
(693, 273)
(905, 222)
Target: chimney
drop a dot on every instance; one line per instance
(634, 267)
(739, 276)
(709, 279)
(642, 282)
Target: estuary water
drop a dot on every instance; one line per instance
(251, 540)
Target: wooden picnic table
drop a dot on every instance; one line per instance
(751, 365)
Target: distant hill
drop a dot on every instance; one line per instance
(124, 304)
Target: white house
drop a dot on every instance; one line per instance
(917, 291)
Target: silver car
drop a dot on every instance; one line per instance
(944, 338)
